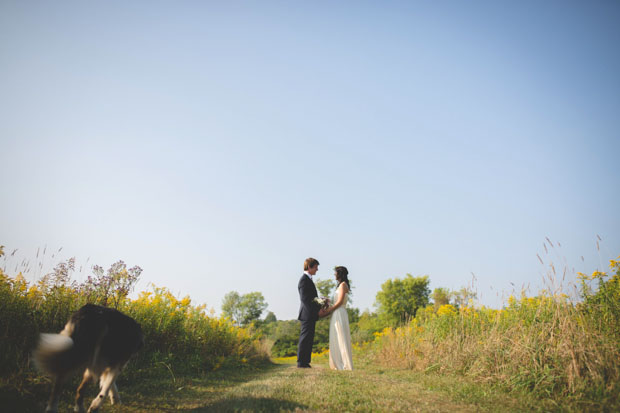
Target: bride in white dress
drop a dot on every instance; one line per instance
(340, 355)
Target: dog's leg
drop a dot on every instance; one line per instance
(79, 397)
(107, 380)
(115, 398)
(52, 404)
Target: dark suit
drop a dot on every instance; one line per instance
(308, 314)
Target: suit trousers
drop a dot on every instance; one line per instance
(306, 339)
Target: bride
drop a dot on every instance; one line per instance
(340, 356)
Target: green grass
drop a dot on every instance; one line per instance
(281, 386)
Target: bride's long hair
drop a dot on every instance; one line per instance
(342, 275)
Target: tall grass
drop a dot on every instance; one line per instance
(547, 345)
(178, 334)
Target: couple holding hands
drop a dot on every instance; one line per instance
(312, 308)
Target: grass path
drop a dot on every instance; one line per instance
(283, 387)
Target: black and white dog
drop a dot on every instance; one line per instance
(97, 338)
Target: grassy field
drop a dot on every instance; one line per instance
(280, 386)
(541, 353)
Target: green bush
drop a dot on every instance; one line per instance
(545, 345)
(177, 333)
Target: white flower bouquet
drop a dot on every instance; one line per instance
(323, 302)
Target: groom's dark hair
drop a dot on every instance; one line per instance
(309, 263)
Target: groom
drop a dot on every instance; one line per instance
(308, 312)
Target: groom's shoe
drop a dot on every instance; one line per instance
(304, 366)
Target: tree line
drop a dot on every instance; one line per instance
(396, 302)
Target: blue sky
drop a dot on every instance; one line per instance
(219, 144)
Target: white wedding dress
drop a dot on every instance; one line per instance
(340, 355)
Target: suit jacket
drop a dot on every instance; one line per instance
(308, 309)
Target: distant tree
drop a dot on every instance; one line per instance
(243, 309)
(325, 287)
(252, 306)
(441, 296)
(286, 338)
(399, 299)
(367, 324)
(270, 318)
(461, 297)
(354, 314)
(231, 306)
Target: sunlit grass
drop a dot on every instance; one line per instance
(180, 337)
(545, 352)
(546, 345)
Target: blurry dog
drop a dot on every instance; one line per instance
(99, 339)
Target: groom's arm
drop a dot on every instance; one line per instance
(306, 296)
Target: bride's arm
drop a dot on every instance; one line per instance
(343, 290)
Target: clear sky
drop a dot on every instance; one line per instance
(219, 144)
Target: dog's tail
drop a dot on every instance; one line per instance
(55, 354)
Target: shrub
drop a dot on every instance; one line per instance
(177, 333)
(545, 344)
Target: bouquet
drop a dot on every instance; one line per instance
(323, 302)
